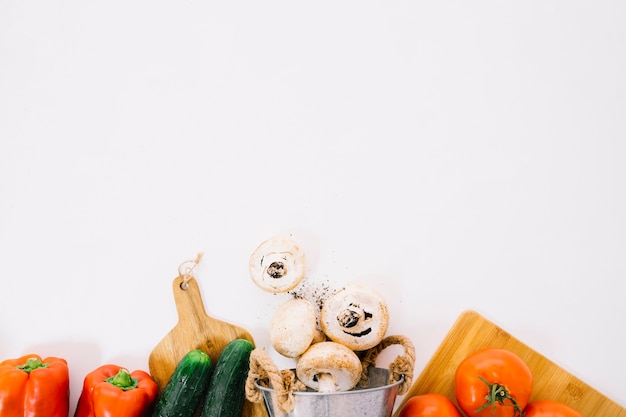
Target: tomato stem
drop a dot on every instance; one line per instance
(498, 394)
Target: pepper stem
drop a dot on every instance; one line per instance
(123, 380)
(498, 394)
(32, 364)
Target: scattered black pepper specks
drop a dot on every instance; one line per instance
(315, 292)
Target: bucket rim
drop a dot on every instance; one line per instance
(350, 392)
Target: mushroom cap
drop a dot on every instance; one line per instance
(332, 360)
(293, 327)
(277, 265)
(319, 336)
(356, 316)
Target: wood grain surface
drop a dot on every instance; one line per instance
(472, 332)
(195, 329)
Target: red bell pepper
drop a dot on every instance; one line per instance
(34, 387)
(113, 391)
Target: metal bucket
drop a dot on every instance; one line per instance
(375, 400)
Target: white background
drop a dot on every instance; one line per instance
(454, 155)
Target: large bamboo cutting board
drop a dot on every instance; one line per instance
(471, 332)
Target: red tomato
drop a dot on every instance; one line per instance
(429, 405)
(492, 383)
(548, 408)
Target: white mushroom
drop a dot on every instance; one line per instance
(356, 316)
(293, 327)
(319, 336)
(329, 367)
(277, 265)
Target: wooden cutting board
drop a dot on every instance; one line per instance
(471, 332)
(195, 330)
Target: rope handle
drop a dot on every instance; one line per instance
(401, 367)
(264, 371)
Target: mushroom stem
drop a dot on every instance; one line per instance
(326, 382)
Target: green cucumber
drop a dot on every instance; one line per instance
(226, 394)
(186, 387)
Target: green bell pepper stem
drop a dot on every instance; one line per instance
(123, 380)
(32, 364)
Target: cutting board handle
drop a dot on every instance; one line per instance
(189, 305)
